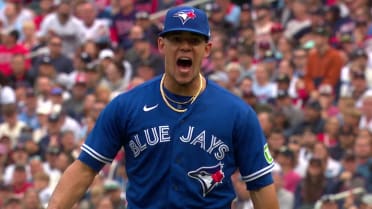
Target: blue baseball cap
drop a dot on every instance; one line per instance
(186, 18)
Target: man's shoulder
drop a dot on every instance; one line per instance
(223, 97)
(143, 89)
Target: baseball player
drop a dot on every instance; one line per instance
(183, 135)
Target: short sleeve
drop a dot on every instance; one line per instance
(106, 138)
(253, 155)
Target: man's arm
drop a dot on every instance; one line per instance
(265, 198)
(72, 186)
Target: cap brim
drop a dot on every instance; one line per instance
(163, 33)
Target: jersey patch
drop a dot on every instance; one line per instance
(185, 15)
(268, 157)
(208, 177)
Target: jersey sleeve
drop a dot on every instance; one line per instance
(105, 139)
(253, 157)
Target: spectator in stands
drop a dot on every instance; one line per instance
(8, 48)
(18, 156)
(313, 186)
(324, 63)
(20, 71)
(363, 154)
(31, 200)
(68, 141)
(12, 202)
(345, 142)
(14, 14)
(29, 39)
(41, 185)
(326, 100)
(12, 125)
(276, 140)
(243, 198)
(348, 178)
(332, 167)
(287, 161)
(58, 58)
(357, 64)
(293, 114)
(96, 30)
(123, 21)
(63, 24)
(266, 121)
(285, 197)
(74, 105)
(146, 71)
(234, 72)
(312, 119)
(143, 52)
(366, 117)
(104, 203)
(218, 21)
(50, 158)
(28, 114)
(20, 184)
(330, 134)
(263, 22)
(46, 7)
(150, 28)
(64, 159)
(113, 191)
(300, 20)
(263, 88)
(26, 137)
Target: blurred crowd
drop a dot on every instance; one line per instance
(305, 67)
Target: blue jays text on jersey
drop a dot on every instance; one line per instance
(153, 136)
(180, 160)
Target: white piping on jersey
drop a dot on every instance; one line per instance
(95, 154)
(259, 173)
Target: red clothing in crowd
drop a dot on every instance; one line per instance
(291, 180)
(323, 69)
(6, 55)
(21, 189)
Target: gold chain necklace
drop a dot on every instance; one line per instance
(180, 103)
(192, 100)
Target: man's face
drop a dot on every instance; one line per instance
(183, 53)
(362, 148)
(55, 45)
(64, 10)
(319, 40)
(18, 64)
(88, 13)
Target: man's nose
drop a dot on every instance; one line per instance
(185, 44)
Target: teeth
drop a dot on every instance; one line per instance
(184, 58)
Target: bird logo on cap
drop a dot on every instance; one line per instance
(185, 15)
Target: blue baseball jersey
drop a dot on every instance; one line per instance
(181, 160)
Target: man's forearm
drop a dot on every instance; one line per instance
(265, 198)
(72, 186)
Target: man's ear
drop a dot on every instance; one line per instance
(208, 49)
(161, 45)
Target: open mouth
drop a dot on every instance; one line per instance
(184, 62)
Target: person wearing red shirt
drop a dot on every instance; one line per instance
(324, 62)
(8, 49)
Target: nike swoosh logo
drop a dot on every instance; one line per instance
(146, 109)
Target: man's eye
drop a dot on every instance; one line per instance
(195, 41)
(175, 39)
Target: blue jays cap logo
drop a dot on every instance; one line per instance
(208, 177)
(185, 15)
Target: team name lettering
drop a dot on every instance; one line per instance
(160, 134)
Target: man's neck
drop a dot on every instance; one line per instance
(322, 50)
